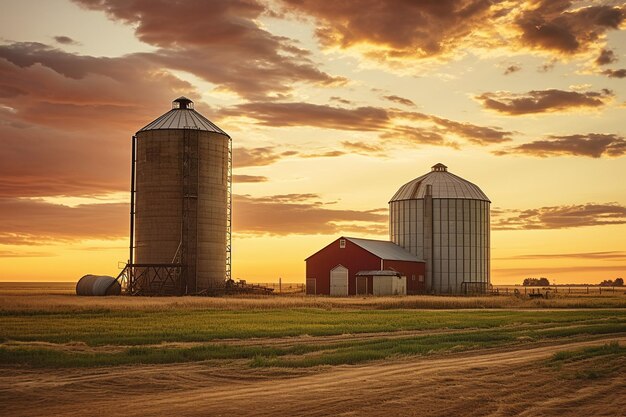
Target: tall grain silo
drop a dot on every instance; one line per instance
(444, 219)
(180, 204)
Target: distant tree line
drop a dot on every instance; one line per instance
(536, 282)
(618, 282)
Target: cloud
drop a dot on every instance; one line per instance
(290, 214)
(363, 148)
(400, 100)
(66, 119)
(25, 254)
(249, 178)
(267, 155)
(526, 271)
(42, 222)
(620, 73)
(608, 255)
(559, 217)
(390, 124)
(341, 100)
(66, 40)
(606, 57)
(308, 114)
(594, 145)
(555, 26)
(398, 32)
(511, 69)
(543, 101)
(394, 29)
(220, 41)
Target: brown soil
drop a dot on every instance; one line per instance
(496, 382)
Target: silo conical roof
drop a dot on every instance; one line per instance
(183, 116)
(444, 185)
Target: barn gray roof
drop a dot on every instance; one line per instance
(384, 249)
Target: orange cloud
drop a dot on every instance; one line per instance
(66, 119)
(41, 222)
(395, 30)
(398, 29)
(554, 25)
(220, 41)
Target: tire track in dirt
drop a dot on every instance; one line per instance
(195, 389)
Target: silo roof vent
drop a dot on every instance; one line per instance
(439, 167)
(182, 103)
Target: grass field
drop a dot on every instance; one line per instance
(55, 346)
(61, 337)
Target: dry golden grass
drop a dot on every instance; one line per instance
(56, 303)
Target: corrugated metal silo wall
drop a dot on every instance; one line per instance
(161, 177)
(460, 240)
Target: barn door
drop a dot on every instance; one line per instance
(361, 285)
(339, 281)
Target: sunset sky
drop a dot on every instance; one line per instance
(332, 106)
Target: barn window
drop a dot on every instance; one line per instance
(413, 277)
(421, 278)
(342, 243)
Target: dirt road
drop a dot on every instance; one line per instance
(494, 382)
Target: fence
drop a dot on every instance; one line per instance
(581, 290)
(284, 288)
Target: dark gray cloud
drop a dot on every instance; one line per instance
(594, 145)
(543, 101)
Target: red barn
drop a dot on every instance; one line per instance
(349, 266)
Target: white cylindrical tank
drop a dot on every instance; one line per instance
(444, 219)
(98, 285)
(182, 199)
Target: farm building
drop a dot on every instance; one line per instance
(444, 219)
(351, 266)
(180, 204)
(439, 243)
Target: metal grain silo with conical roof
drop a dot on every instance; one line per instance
(180, 205)
(444, 219)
